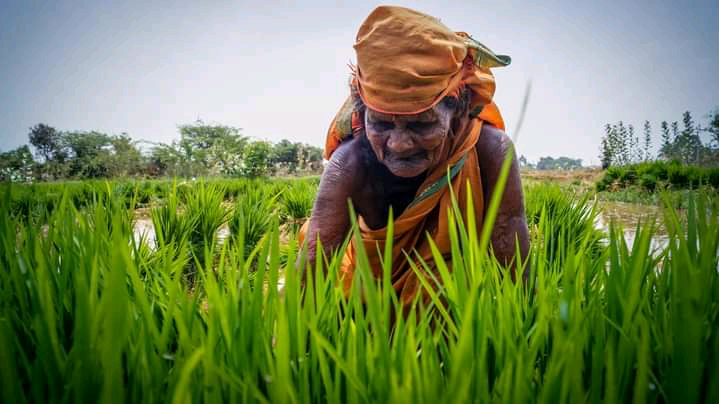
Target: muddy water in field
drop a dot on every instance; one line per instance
(631, 214)
(628, 216)
(144, 229)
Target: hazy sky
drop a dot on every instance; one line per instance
(280, 70)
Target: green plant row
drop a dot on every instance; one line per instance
(32, 199)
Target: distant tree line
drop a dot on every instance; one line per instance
(202, 150)
(551, 163)
(622, 146)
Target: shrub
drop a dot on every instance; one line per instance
(714, 177)
(648, 181)
(651, 175)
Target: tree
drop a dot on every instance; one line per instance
(689, 150)
(89, 154)
(202, 149)
(647, 140)
(126, 158)
(688, 122)
(561, 163)
(687, 144)
(675, 131)
(614, 145)
(619, 145)
(256, 159)
(712, 149)
(46, 141)
(713, 129)
(212, 149)
(606, 156)
(666, 149)
(623, 143)
(635, 152)
(166, 160)
(285, 154)
(17, 165)
(309, 157)
(48, 144)
(612, 148)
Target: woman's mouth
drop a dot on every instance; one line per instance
(409, 165)
(407, 157)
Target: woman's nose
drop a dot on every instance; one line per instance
(400, 141)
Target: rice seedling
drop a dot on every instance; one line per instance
(560, 221)
(205, 203)
(88, 315)
(297, 201)
(173, 229)
(253, 213)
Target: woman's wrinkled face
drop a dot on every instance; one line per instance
(408, 145)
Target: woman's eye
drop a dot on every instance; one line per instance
(419, 126)
(383, 125)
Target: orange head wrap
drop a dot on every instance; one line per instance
(408, 61)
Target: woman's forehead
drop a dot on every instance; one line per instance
(428, 115)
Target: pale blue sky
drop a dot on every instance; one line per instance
(279, 69)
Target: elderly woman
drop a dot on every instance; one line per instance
(420, 110)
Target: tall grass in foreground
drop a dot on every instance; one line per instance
(87, 315)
